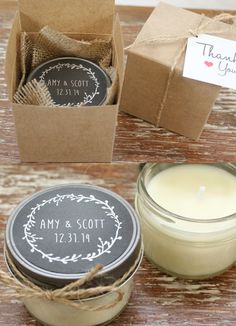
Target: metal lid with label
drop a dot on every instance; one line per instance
(73, 81)
(57, 235)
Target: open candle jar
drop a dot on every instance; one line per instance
(55, 237)
(188, 217)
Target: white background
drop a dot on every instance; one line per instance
(203, 4)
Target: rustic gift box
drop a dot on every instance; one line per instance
(156, 92)
(46, 134)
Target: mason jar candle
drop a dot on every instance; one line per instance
(188, 217)
(57, 235)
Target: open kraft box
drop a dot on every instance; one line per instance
(47, 134)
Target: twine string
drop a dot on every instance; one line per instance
(201, 28)
(72, 294)
(172, 71)
(191, 32)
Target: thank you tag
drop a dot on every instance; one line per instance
(212, 60)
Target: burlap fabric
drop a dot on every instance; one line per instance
(37, 48)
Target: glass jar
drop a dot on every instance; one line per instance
(188, 247)
(56, 236)
(51, 313)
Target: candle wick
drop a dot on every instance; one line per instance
(201, 192)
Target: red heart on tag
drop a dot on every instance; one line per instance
(209, 64)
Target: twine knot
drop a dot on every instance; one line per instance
(193, 33)
(71, 294)
(48, 295)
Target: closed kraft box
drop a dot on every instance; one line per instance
(188, 102)
(83, 134)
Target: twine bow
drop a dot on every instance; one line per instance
(71, 294)
(202, 28)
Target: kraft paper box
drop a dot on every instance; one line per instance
(188, 102)
(47, 134)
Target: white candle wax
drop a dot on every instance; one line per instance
(56, 314)
(195, 191)
(200, 241)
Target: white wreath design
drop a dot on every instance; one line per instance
(102, 247)
(87, 98)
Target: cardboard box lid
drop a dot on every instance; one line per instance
(167, 20)
(67, 15)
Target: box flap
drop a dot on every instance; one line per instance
(11, 57)
(119, 48)
(67, 15)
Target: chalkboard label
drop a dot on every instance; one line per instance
(69, 229)
(73, 81)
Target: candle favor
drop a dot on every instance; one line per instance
(188, 217)
(74, 233)
(64, 72)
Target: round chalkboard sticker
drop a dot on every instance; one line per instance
(73, 81)
(57, 235)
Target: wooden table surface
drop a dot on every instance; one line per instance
(135, 140)
(158, 299)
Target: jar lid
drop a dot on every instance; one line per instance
(73, 81)
(57, 235)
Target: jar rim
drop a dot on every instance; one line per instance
(142, 189)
